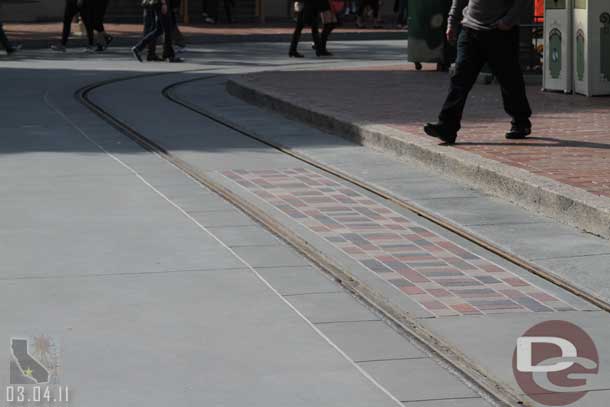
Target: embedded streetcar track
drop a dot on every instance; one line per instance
(443, 223)
(500, 393)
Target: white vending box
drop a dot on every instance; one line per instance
(591, 54)
(558, 45)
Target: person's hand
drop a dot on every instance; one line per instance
(502, 26)
(164, 9)
(451, 34)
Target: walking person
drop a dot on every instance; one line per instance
(490, 34)
(71, 9)
(307, 14)
(163, 26)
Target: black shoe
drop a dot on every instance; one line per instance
(323, 53)
(136, 54)
(295, 54)
(174, 60)
(518, 132)
(154, 58)
(440, 131)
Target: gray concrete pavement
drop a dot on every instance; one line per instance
(159, 291)
(176, 296)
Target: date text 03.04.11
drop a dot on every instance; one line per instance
(52, 396)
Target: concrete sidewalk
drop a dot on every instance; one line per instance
(560, 171)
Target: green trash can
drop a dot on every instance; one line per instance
(427, 27)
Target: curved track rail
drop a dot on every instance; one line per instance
(456, 229)
(451, 357)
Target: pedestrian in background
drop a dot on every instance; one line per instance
(369, 6)
(209, 11)
(490, 34)
(6, 44)
(401, 8)
(327, 10)
(71, 9)
(163, 26)
(305, 15)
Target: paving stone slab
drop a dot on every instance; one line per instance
(299, 280)
(539, 241)
(427, 384)
(370, 341)
(331, 307)
(246, 236)
(271, 256)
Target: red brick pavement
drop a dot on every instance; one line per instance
(570, 144)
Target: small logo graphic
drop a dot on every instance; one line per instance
(553, 361)
(34, 360)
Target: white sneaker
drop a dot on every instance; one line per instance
(210, 20)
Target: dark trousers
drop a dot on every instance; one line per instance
(499, 49)
(98, 13)
(3, 40)
(326, 30)
(163, 26)
(150, 24)
(210, 7)
(70, 11)
(296, 36)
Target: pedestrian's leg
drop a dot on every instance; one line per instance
(4, 40)
(503, 56)
(228, 4)
(328, 28)
(152, 36)
(176, 34)
(315, 34)
(86, 14)
(470, 61)
(168, 47)
(150, 25)
(69, 12)
(296, 35)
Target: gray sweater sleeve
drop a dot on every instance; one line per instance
(513, 16)
(456, 13)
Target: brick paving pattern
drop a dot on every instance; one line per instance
(443, 277)
(570, 144)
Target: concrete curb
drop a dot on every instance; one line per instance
(536, 193)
